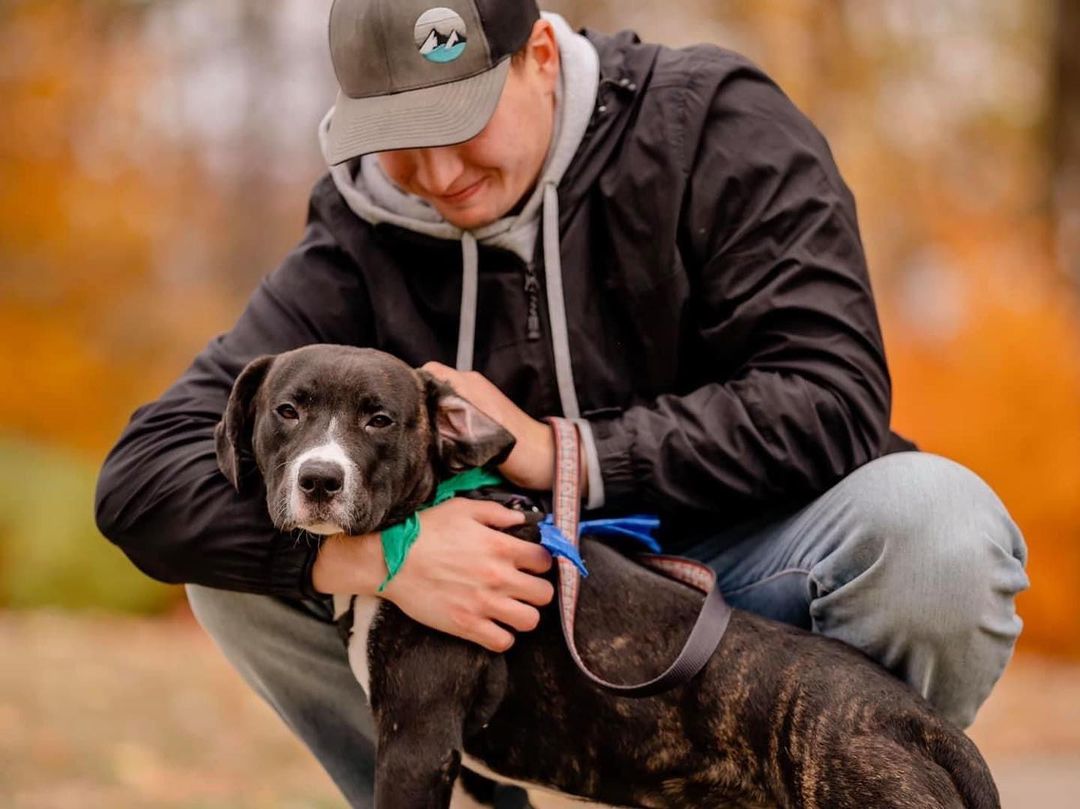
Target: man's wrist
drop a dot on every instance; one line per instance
(349, 564)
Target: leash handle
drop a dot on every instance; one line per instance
(711, 622)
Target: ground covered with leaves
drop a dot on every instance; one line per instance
(106, 712)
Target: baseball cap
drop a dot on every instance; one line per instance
(417, 74)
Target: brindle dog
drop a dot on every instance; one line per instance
(354, 440)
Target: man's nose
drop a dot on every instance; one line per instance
(321, 480)
(438, 168)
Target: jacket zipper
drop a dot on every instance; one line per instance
(532, 292)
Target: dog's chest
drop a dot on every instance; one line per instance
(365, 615)
(364, 610)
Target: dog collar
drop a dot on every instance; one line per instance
(465, 481)
(398, 539)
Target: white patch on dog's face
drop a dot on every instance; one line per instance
(327, 518)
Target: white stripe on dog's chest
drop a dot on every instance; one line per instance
(364, 608)
(539, 797)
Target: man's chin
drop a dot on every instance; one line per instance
(471, 217)
(469, 222)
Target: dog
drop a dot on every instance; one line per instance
(353, 440)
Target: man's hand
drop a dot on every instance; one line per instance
(462, 576)
(465, 577)
(531, 464)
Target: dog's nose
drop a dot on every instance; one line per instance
(321, 479)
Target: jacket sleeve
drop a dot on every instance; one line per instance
(782, 303)
(160, 495)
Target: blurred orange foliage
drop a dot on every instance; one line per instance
(134, 220)
(1002, 396)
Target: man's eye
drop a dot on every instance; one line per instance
(380, 421)
(287, 411)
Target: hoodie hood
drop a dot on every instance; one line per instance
(371, 195)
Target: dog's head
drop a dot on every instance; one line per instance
(349, 439)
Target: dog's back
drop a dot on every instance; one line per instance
(778, 716)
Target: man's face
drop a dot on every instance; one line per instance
(474, 183)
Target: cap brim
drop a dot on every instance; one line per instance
(441, 115)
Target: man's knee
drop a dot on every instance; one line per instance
(931, 545)
(232, 619)
(922, 577)
(264, 637)
(214, 609)
(290, 653)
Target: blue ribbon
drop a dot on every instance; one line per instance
(555, 542)
(638, 527)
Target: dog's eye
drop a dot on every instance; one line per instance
(380, 421)
(287, 411)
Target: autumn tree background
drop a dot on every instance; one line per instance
(155, 160)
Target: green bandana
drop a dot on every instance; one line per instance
(399, 538)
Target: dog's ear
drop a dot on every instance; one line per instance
(232, 436)
(464, 435)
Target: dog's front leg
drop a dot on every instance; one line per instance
(427, 691)
(419, 726)
(416, 773)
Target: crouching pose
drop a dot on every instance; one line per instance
(652, 242)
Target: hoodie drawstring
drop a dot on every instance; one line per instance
(560, 337)
(470, 262)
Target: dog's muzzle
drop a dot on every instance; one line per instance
(319, 492)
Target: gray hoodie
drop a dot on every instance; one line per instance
(375, 199)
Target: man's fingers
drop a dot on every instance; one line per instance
(529, 556)
(530, 589)
(438, 370)
(515, 615)
(495, 515)
(492, 636)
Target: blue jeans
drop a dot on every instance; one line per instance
(911, 558)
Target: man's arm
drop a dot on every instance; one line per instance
(769, 235)
(160, 496)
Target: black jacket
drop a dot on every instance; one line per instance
(724, 338)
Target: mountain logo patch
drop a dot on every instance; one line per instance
(440, 35)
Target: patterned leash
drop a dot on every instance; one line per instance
(711, 622)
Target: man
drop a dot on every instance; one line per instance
(652, 241)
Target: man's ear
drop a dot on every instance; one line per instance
(465, 436)
(232, 436)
